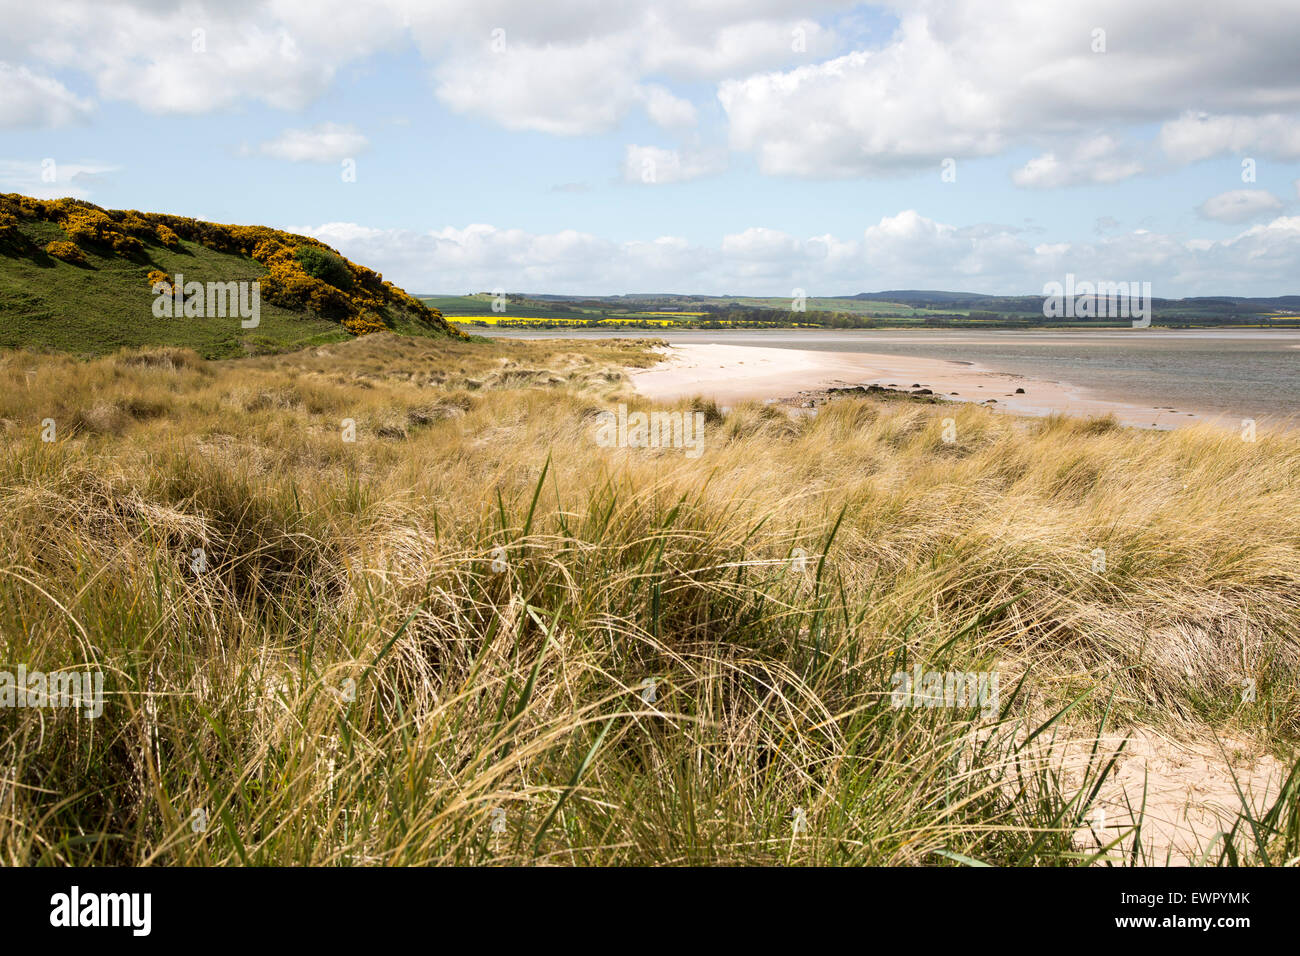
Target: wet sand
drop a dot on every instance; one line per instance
(735, 373)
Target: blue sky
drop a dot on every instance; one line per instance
(725, 147)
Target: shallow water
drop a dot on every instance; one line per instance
(1236, 373)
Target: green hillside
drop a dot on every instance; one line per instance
(78, 278)
(518, 306)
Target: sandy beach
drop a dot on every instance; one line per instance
(736, 373)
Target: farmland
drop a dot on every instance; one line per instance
(883, 310)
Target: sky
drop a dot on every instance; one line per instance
(726, 147)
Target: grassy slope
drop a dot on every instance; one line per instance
(106, 304)
(482, 305)
(498, 588)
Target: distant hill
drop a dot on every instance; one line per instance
(79, 278)
(917, 297)
(1228, 304)
(893, 309)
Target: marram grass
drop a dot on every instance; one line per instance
(472, 636)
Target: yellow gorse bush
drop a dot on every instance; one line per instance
(67, 251)
(167, 237)
(90, 225)
(8, 226)
(158, 277)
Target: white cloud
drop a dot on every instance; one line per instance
(1263, 260)
(51, 179)
(1099, 159)
(1195, 136)
(665, 109)
(581, 67)
(481, 257)
(1239, 205)
(27, 99)
(568, 91)
(653, 166)
(566, 67)
(959, 78)
(906, 250)
(759, 243)
(323, 143)
(197, 58)
(859, 115)
(673, 46)
(967, 78)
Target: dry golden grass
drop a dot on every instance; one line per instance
(497, 590)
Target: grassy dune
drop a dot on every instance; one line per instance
(103, 300)
(474, 636)
(106, 303)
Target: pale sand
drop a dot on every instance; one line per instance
(736, 373)
(1191, 792)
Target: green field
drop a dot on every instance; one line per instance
(856, 307)
(916, 310)
(481, 304)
